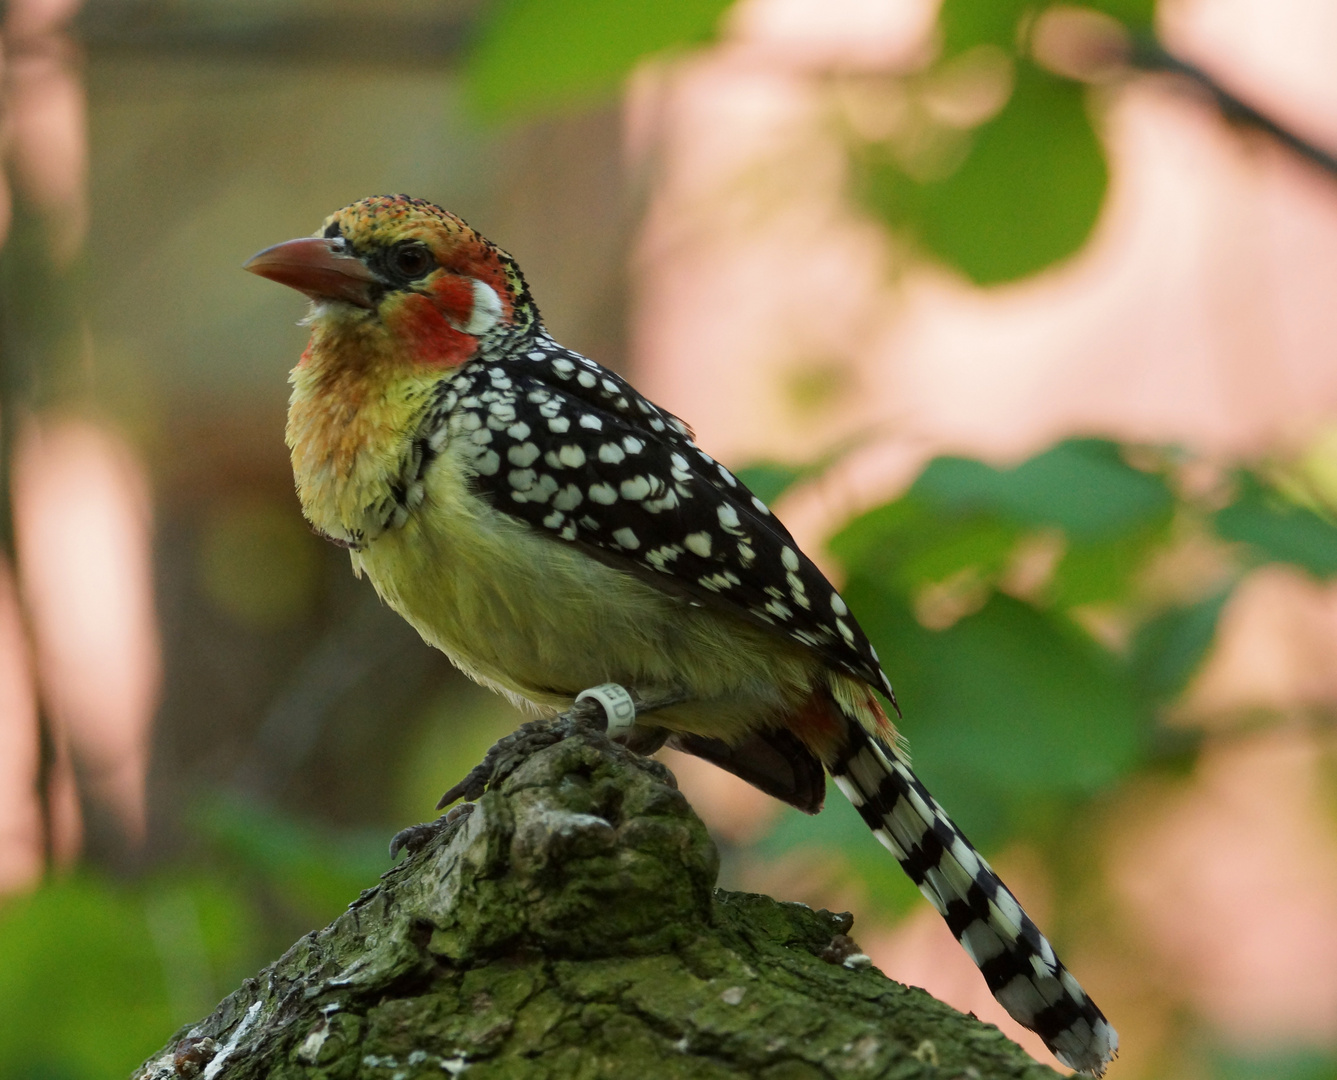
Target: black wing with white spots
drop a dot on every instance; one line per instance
(571, 448)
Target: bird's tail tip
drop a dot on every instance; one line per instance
(1016, 960)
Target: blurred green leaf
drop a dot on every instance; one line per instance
(868, 544)
(909, 543)
(967, 23)
(1032, 703)
(963, 514)
(1009, 702)
(94, 975)
(315, 869)
(768, 480)
(977, 542)
(1300, 1063)
(1167, 649)
(1026, 195)
(82, 989)
(1082, 486)
(540, 55)
(1278, 529)
(1137, 15)
(1103, 571)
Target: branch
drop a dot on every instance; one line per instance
(1150, 55)
(569, 926)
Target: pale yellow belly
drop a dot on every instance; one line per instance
(542, 620)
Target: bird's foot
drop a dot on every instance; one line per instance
(510, 750)
(610, 708)
(416, 837)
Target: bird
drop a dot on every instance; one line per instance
(550, 529)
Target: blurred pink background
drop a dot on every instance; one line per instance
(1202, 313)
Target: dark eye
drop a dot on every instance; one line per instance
(411, 260)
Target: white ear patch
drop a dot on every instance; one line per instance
(486, 313)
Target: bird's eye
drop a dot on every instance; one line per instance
(411, 260)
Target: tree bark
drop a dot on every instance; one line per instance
(569, 927)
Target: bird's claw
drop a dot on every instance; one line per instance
(510, 750)
(608, 708)
(471, 787)
(416, 837)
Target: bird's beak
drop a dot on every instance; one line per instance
(320, 268)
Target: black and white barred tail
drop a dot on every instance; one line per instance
(1016, 961)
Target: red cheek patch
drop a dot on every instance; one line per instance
(422, 326)
(455, 298)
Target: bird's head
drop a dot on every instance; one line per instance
(401, 278)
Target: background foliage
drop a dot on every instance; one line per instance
(1039, 649)
(1028, 695)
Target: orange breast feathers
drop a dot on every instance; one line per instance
(350, 409)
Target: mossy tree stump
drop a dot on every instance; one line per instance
(569, 928)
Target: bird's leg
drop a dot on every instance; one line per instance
(608, 707)
(624, 708)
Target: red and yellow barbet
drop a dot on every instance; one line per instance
(550, 530)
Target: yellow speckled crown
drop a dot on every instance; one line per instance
(386, 218)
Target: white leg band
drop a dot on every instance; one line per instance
(618, 705)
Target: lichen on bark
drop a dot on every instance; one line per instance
(569, 928)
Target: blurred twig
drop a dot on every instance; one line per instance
(1150, 55)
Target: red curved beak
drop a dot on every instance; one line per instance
(320, 268)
